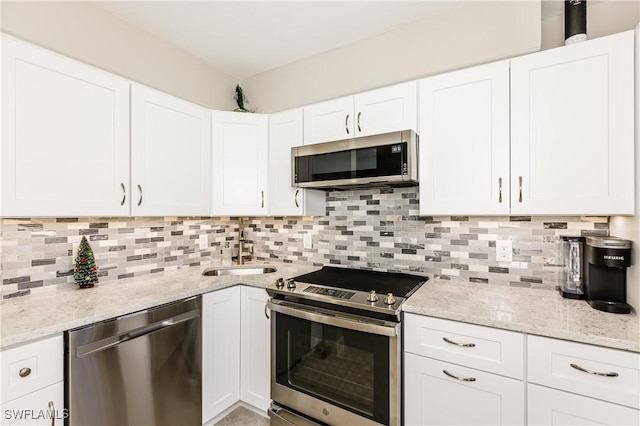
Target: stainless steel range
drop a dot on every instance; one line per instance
(336, 347)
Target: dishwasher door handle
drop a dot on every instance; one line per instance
(109, 342)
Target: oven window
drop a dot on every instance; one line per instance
(347, 368)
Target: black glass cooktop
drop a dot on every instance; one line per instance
(399, 284)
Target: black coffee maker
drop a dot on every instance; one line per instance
(607, 260)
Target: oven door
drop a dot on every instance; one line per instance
(336, 368)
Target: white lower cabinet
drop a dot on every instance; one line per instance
(31, 383)
(439, 393)
(235, 350)
(220, 351)
(554, 407)
(254, 349)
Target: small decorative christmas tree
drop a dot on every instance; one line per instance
(85, 272)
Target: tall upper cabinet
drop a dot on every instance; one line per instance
(170, 154)
(464, 141)
(65, 136)
(572, 132)
(240, 161)
(285, 132)
(378, 111)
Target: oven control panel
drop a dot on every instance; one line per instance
(331, 292)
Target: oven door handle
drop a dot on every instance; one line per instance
(366, 325)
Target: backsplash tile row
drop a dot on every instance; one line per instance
(378, 229)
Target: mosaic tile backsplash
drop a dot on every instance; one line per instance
(376, 229)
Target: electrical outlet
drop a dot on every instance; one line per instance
(308, 241)
(503, 251)
(203, 242)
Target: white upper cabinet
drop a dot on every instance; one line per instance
(285, 132)
(385, 110)
(240, 157)
(170, 155)
(464, 142)
(378, 111)
(572, 149)
(65, 136)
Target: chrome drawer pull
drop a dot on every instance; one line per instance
(346, 123)
(359, 114)
(596, 373)
(500, 190)
(464, 345)
(52, 409)
(140, 199)
(124, 194)
(24, 372)
(520, 191)
(296, 198)
(462, 379)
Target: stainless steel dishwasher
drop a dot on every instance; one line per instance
(139, 369)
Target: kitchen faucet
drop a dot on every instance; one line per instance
(241, 242)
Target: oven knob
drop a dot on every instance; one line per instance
(279, 283)
(291, 284)
(389, 300)
(372, 297)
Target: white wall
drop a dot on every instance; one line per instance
(478, 32)
(90, 34)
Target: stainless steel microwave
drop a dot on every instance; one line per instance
(390, 159)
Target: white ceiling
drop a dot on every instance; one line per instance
(244, 38)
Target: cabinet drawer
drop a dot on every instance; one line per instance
(41, 408)
(558, 364)
(483, 348)
(32, 366)
(553, 407)
(439, 393)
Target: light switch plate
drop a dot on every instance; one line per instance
(504, 251)
(203, 241)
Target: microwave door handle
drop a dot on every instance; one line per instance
(334, 320)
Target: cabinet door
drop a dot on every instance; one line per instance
(385, 110)
(256, 349)
(547, 406)
(464, 142)
(285, 132)
(434, 398)
(171, 155)
(329, 121)
(44, 407)
(65, 136)
(240, 161)
(220, 351)
(572, 146)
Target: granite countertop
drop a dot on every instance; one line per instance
(66, 307)
(532, 311)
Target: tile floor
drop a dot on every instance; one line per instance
(243, 417)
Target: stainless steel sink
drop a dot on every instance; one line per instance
(216, 272)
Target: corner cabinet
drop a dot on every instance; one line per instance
(220, 351)
(285, 132)
(378, 111)
(65, 136)
(572, 129)
(240, 162)
(464, 141)
(170, 155)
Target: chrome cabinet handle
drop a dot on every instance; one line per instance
(295, 198)
(52, 409)
(520, 184)
(262, 196)
(266, 307)
(500, 190)
(24, 372)
(596, 373)
(140, 190)
(346, 123)
(358, 120)
(462, 379)
(124, 194)
(464, 345)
